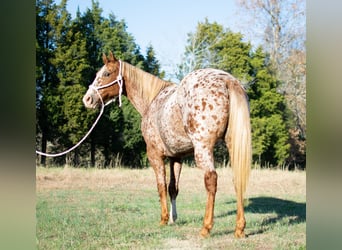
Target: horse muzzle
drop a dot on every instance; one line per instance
(91, 99)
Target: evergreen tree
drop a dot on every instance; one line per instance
(269, 114)
(151, 64)
(60, 111)
(47, 99)
(233, 55)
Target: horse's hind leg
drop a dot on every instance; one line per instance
(205, 160)
(210, 180)
(175, 170)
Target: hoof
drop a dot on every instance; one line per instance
(163, 222)
(172, 220)
(239, 234)
(205, 233)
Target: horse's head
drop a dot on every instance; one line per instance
(107, 84)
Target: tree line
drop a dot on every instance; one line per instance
(68, 55)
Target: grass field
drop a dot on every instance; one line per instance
(119, 209)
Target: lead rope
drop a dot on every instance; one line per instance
(86, 135)
(120, 83)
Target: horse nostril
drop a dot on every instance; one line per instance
(87, 99)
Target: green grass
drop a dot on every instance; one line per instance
(88, 215)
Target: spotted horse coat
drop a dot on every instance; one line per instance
(178, 120)
(194, 116)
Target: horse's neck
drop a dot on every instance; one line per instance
(141, 87)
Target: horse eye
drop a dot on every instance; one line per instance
(106, 74)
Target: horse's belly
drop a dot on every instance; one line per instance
(162, 126)
(176, 144)
(172, 131)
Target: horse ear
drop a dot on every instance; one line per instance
(112, 57)
(104, 58)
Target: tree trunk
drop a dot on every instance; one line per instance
(44, 143)
(92, 152)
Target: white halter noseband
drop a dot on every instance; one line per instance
(118, 80)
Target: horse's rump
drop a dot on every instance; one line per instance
(204, 100)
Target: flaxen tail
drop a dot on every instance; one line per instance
(238, 136)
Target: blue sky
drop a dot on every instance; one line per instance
(165, 24)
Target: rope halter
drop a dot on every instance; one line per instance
(118, 80)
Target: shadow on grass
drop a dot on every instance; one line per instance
(286, 211)
(278, 210)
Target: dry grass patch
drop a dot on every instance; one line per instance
(94, 179)
(262, 181)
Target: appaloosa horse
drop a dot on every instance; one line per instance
(178, 120)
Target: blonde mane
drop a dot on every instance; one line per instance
(147, 85)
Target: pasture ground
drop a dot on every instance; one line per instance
(119, 209)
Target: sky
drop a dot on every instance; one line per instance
(164, 24)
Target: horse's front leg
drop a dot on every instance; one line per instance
(175, 170)
(157, 163)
